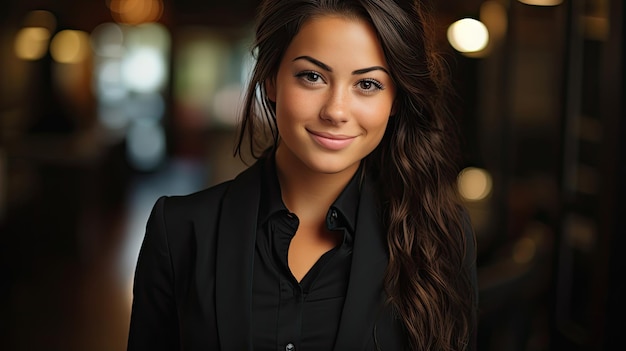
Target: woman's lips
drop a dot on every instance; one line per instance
(331, 141)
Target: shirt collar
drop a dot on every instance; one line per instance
(342, 213)
(271, 198)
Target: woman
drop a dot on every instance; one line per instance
(346, 233)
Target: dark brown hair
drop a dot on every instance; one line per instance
(426, 280)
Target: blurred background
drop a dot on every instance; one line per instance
(107, 104)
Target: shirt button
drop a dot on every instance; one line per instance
(290, 347)
(333, 217)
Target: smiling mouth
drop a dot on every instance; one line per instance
(331, 141)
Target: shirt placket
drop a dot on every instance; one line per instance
(291, 297)
(290, 316)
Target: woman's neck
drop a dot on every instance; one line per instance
(305, 192)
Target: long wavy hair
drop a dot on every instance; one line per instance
(414, 166)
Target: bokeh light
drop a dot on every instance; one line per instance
(31, 43)
(154, 35)
(468, 35)
(144, 63)
(70, 46)
(107, 40)
(474, 184)
(144, 70)
(130, 72)
(136, 11)
(107, 83)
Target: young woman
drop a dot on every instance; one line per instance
(346, 233)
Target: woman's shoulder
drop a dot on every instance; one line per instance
(177, 209)
(200, 197)
(211, 197)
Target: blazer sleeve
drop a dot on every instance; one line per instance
(154, 321)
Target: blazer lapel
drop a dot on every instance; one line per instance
(235, 258)
(365, 288)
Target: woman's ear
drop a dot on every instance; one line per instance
(270, 89)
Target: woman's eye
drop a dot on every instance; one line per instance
(365, 85)
(370, 85)
(311, 77)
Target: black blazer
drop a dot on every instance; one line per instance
(193, 281)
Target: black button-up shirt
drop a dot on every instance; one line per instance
(287, 315)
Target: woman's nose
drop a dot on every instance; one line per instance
(335, 109)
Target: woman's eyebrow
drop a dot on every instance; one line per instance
(318, 63)
(327, 68)
(369, 69)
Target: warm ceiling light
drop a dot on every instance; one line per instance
(541, 2)
(136, 11)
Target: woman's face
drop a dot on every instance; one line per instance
(333, 95)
